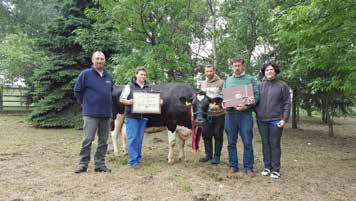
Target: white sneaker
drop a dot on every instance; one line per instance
(266, 172)
(275, 175)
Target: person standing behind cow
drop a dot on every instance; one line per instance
(135, 123)
(213, 86)
(272, 113)
(93, 90)
(239, 119)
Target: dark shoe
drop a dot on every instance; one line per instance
(102, 169)
(215, 161)
(250, 173)
(233, 170)
(80, 170)
(205, 159)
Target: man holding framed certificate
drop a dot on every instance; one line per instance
(240, 94)
(138, 102)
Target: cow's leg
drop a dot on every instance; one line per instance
(124, 139)
(171, 143)
(118, 122)
(183, 134)
(180, 143)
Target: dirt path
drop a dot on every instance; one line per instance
(38, 164)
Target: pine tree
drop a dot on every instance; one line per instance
(54, 103)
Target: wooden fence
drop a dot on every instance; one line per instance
(14, 100)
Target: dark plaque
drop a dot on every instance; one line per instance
(240, 95)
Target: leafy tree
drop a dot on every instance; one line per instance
(246, 29)
(18, 58)
(27, 16)
(156, 34)
(54, 103)
(21, 23)
(321, 40)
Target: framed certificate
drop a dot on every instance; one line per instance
(240, 95)
(146, 102)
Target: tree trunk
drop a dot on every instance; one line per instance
(298, 112)
(1, 105)
(330, 123)
(323, 112)
(294, 109)
(309, 112)
(215, 55)
(309, 109)
(213, 31)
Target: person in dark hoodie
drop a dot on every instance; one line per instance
(135, 123)
(93, 89)
(213, 86)
(272, 113)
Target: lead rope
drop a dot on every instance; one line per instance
(195, 134)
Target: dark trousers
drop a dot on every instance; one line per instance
(271, 145)
(92, 126)
(214, 129)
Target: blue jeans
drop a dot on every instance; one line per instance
(242, 123)
(135, 128)
(271, 144)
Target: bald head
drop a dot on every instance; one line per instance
(98, 60)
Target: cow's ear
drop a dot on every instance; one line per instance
(201, 92)
(217, 100)
(185, 101)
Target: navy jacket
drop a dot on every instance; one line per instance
(94, 93)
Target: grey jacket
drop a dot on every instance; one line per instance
(275, 101)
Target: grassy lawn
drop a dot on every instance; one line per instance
(39, 164)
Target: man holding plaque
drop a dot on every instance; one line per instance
(135, 122)
(213, 86)
(240, 94)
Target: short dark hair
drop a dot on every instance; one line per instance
(237, 59)
(274, 66)
(140, 68)
(210, 66)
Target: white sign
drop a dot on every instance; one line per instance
(146, 102)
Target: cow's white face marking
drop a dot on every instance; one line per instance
(200, 97)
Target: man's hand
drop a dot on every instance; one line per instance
(223, 105)
(241, 108)
(281, 123)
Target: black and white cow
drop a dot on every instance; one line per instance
(182, 106)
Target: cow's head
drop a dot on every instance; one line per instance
(200, 106)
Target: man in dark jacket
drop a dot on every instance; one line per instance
(93, 90)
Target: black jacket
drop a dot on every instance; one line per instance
(275, 101)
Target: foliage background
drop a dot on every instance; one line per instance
(47, 43)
